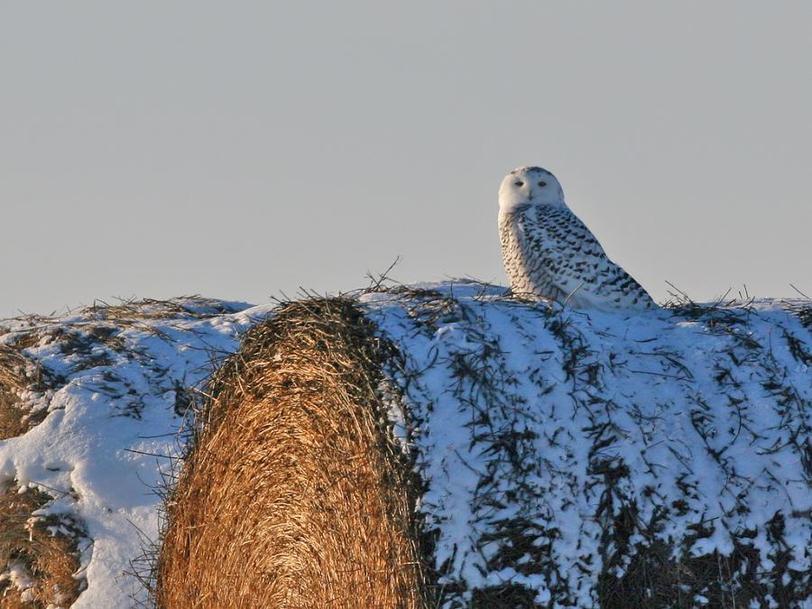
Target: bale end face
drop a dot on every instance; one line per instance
(293, 495)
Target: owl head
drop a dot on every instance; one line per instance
(526, 186)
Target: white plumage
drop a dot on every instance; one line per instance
(549, 253)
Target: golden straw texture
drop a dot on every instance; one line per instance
(294, 494)
(40, 553)
(17, 374)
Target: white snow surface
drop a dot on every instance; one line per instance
(519, 412)
(111, 424)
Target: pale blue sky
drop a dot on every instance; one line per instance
(241, 149)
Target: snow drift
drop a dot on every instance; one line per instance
(450, 447)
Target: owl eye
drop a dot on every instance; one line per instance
(542, 183)
(518, 183)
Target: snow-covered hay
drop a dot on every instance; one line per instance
(451, 447)
(92, 408)
(297, 494)
(40, 553)
(19, 378)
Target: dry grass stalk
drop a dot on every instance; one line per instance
(128, 311)
(38, 555)
(294, 495)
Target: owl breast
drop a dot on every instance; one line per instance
(526, 264)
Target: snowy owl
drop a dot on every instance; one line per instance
(548, 252)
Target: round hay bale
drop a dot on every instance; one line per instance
(295, 494)
(455, 448)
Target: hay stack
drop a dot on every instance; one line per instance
(454, 448)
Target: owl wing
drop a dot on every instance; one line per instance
(576, 264)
